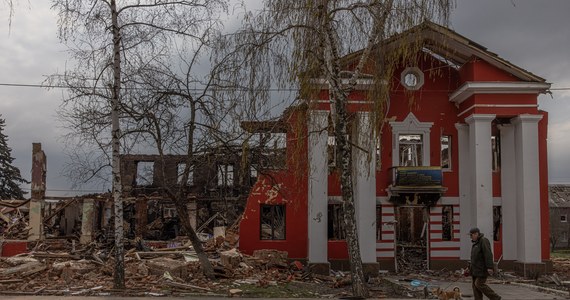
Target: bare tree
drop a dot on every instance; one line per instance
(9, 4)
(109, 41)
(291, 43)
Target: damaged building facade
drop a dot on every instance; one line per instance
(217, 189)
(469, 150)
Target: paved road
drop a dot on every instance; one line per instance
(506, 291)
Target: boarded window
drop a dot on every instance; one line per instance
(497, 220)
(379, 222)
(225, 175)
(145, 173)
(447, 223)
(446, 152)
(410, 149)
(272, 222)
(181, 167)
(336, 222)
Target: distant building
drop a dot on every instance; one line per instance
(469, 150)
(559, 200)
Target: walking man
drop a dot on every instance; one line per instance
(481, 265)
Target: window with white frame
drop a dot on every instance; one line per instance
(410, 149)
(564, 218)
(411, 142)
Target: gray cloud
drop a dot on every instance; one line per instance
(531, 34)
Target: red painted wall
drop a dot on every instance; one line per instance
(480, 70)
(428, 104)
(543, 170)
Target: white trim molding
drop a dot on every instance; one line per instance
(471, 88)
(497, 106)
(411, 125)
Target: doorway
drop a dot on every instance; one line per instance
(411, 238)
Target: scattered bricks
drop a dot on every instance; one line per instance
(272, 257)
(297, 265)
(231, 258)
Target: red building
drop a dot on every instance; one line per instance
(463, 144)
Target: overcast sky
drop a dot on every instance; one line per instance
(534, 35)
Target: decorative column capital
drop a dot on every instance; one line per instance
(480, 118)
(460, 126)
(526, 118)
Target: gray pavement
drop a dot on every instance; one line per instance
(506, 291)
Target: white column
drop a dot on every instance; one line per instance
(508, 191)
(465, 209)
(480, 161)
(528, 188)
(318, 184)
(364, 173)
(87, 222)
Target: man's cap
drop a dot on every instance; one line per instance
(474, 229)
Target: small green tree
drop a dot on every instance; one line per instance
(10, 178)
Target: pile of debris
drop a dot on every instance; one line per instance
(63, 269)
(13, 224)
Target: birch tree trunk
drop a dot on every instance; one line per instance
(339, 100)
(119, 274)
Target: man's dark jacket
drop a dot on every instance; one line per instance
(481, 257)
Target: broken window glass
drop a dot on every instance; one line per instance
(145, 173)
(331, 151)
(336, 222)
(447, 223)
(378, 222)
(272, 222)
(446, 152)
(410, 149)
(497, 219)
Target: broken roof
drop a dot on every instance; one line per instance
(559, 195)
(453, 47)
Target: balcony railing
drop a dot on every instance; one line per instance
(416, 180)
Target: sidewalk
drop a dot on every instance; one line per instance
(508, 291)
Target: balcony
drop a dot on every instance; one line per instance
(415, 180)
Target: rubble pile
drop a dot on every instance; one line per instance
(63, 268)
(14, 224)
